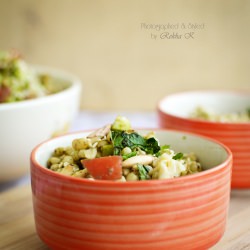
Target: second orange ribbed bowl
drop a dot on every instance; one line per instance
(174, 111)
(188, 212)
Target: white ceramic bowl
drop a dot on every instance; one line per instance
(24, 124)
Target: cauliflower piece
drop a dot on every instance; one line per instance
(165, 167)
(121, 123)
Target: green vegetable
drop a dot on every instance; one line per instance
(163, 149)
(133, 140)
(18, 81)
(143, 172)
(125, 157)
(107, 150)
(178, 156)
(121, 123)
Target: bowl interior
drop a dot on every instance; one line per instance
(210, 152)
(221, 102)
(60, 78)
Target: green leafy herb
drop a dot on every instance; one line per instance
(178, 156)
(143, 172)
(125, 157)
(162, 150)
(165, 147)
(122, 139)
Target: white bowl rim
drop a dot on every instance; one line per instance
(181, 179)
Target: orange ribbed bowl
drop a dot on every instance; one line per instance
(188, 212)
(174, 110)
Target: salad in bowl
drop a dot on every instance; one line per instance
(19, 81)
(117, 152)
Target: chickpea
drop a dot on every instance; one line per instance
(79, 144)
(126, 151)
(68, 159)
(55, 167)
(125, 171)
(132, 177)
(59, 151)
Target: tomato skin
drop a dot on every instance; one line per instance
(4, 93)
(104, 168)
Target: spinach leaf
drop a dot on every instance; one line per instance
(152, 146)
(163, 149)
(122, 139)
(125, 157)
(178, 156)
(143, 172)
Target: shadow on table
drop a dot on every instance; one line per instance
(8, 185)
(240, 193)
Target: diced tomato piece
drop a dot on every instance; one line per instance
(4, 93)
(104, 168)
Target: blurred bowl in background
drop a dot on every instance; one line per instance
(174, 112)
(78, 213)
(24, 124)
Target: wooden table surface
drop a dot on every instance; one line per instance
(17, 230)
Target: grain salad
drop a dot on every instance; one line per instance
(19, 82)
(210, 115)
(117, 152)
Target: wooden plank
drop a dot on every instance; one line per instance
(237, 235)
(16, 220)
